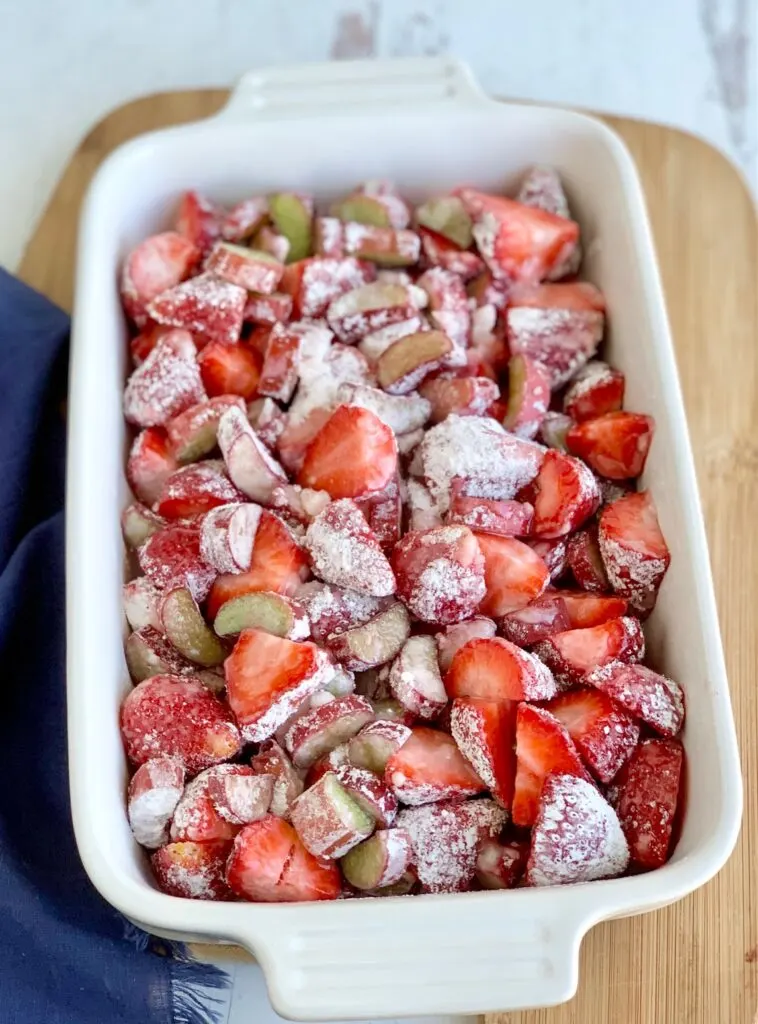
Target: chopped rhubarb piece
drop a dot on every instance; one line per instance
(585, 562)
(269, 423)
(485, 515)
(440, 574)
(238, 795)
(272, 613)
(446, 216)
(485, 733)
(278, 564)
(553, 554)
(463, 396)
(330, 761)
(328, 820)
(379, 861)
(424, 514)
(269, 864)
(596, 390)
(541, 187)
(247, 459)
(315, 283)
(244, 219)
(167, 383)
(195, 489)
(158, 263)
(384, 246)
(453, 637)
(528, 397)
(375, 342)
(194, 871)
(268, 678)
(362, 209)
(648, 794)
(325, 727)
(374, 642)
(141, 600)
(575, 653)
(401, 413)
(154, 792)
(446, 839)
(514, 575)
(566, 495)
(227, 536)
(196, 818)
(492, 669)
(281, 364)
(178, 715)
(193, 432)
(230, 369)
(576, 836)
(292, 215)
(634, 551)
(248, 268)
(335, 610)
(369, 307)
(186, 628)
(614, 445)
(402, 367)
(271, 242)
(439, 251)
(271, 760)
(543, 746)
(375, 744)
(171, 558)
(575, 295)
(553, 430)
(268, 309)
(199, 220)
(353, 453)
(415, 678)
(647, 695)
(148, 653)
(604, 734)
(500, 865)
(369, 792)
(449, 309)
(384, 512)
(205, 304)
(328, 238)
(591, 609)
(345, 552)
(539, 620)
(385, 193)
(151, 461)
(428, 768)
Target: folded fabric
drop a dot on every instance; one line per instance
(67, 957)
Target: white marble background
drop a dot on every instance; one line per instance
(65, 63)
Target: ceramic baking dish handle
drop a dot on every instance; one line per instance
(425, 956)
(341, 86)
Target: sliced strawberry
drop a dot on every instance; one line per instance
(576, 837)
(164, 385)
(604, 734)
(278, 564)
(193, 871)
(543, 746)
(539, 620)
(648, 795)
(195, 489)
(297, 434)
(528, 395)
(518, 242)
(495, 669)
(244, 219)
(614, 445)
(199, 220)
(143, 343)
(591, 609)
(250, 269)
(158, 263)
(485, 733)
(596, 390)
(658, 701)
(453, 637)
(575, 653)
(552, 553)
(439, 251)
(500, 865)
(429, 767)
(272, 761)
(268, 309)
(151, 461)
(514, 575)
(307, 878)
(268, 678)
(463, 396)
(230, 369)
(353, 453)
(440, 573)
(634, 551)
(585, 562)
(314, 283)
(171, 558)
(567, 495)
(195, 818)
(344, 551)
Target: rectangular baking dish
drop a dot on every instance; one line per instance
(321, 129)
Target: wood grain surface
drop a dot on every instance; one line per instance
(695, 962)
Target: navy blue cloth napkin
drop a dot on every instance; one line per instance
(66, 956)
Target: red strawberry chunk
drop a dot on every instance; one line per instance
(579, 296)
(495, 669)
(596, 390)
(648, 795)
(230, 369)
(154, 792)
(528, 396)
(384, 512)
(576, 837)
(440, 573)
(143, 344)
(268, 309)
(353, 453)
(177, 715)
(195, 489)
(604, 734)
(485, 732)
(158, 263)
(575, 653)
(646, 694)
(206, 304)
(199, 220)
(614, 445)
(248, 268)
(171, 558)
(429, 767)
(345, 552)
(272, 761)
(335, 610)
(514, 575)
(543, 746)
(167, 383)
(591, 609)
(194, 871)
(553, 554)
(244, 219)
(439, 251)
(151, 461)
(463, 396)
(634, 551)
(268, 678)
(567, 495)
(501, 865)
(453, 637)
(195, 818)
(281, 364)
(540, 619)
(315, 282)
(584, 560)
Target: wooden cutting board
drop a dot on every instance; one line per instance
(695, 962)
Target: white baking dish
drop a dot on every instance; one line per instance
(322, 129)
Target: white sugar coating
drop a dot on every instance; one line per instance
(243, 217)
(445, 840)
(632, 574)
(227, 536)
(141, 601)
(424, 514)
(483, 321)
(553, 554)
(150, 809)
(322, 376)
(329, 606)
(479, 450)
(541, 187)
(455, 323)
(325, 279)
(415, 678)
(562, 339)
(397, 855)
(244, 798)
(446, 588)
(401, 413)
(289, 702)
(466, 729)
(166, 383)
(360, 238)
(590, 376)
(187, 305)
(645, 694)
(576, 837)
(208, 477)
(344, 550)
(329, 233)
(197, 880)
(192, 810)
(249, 463)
